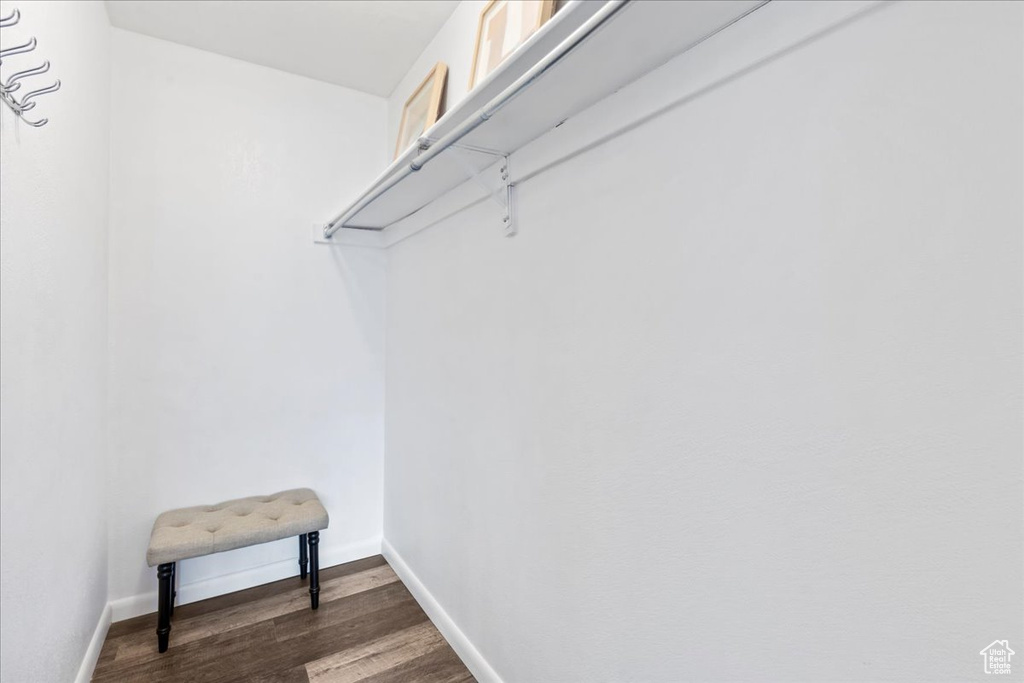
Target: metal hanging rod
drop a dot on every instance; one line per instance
(433, 149)
(7, 88)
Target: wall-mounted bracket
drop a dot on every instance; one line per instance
(500, 190)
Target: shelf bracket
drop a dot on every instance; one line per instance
(502, 193)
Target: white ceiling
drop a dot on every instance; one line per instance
(367, 45)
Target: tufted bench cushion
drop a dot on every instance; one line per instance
(205, 529)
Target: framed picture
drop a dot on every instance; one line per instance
(423, 107)
(504, 25)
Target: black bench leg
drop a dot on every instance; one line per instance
(314, 569)
(174, 584)
(163, 624)
(302, 556)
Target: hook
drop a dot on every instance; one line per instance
(10, 20)
(35, 124)
(27, 47)
(42, 91)
(12, 82)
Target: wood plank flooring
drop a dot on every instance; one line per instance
(368, 628)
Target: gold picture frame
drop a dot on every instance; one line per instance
(423, 108)
(503, 26)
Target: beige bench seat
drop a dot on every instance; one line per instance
(206, 529)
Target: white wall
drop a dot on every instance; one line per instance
(53, 346)
(742, 399)
(244, 358)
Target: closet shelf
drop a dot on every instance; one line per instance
(587, 51)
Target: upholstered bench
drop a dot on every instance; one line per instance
(207, 529)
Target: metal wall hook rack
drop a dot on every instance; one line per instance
(13, 84)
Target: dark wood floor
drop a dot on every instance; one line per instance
(368, 628)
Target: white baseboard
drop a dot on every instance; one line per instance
(92, 653)
(137, 605)
(472, 658)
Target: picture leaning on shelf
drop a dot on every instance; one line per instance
(423, 108)
(504, 25)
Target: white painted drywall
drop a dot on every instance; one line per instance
(54, 184)
(742, 400)
(360, 44)
(244, 358)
